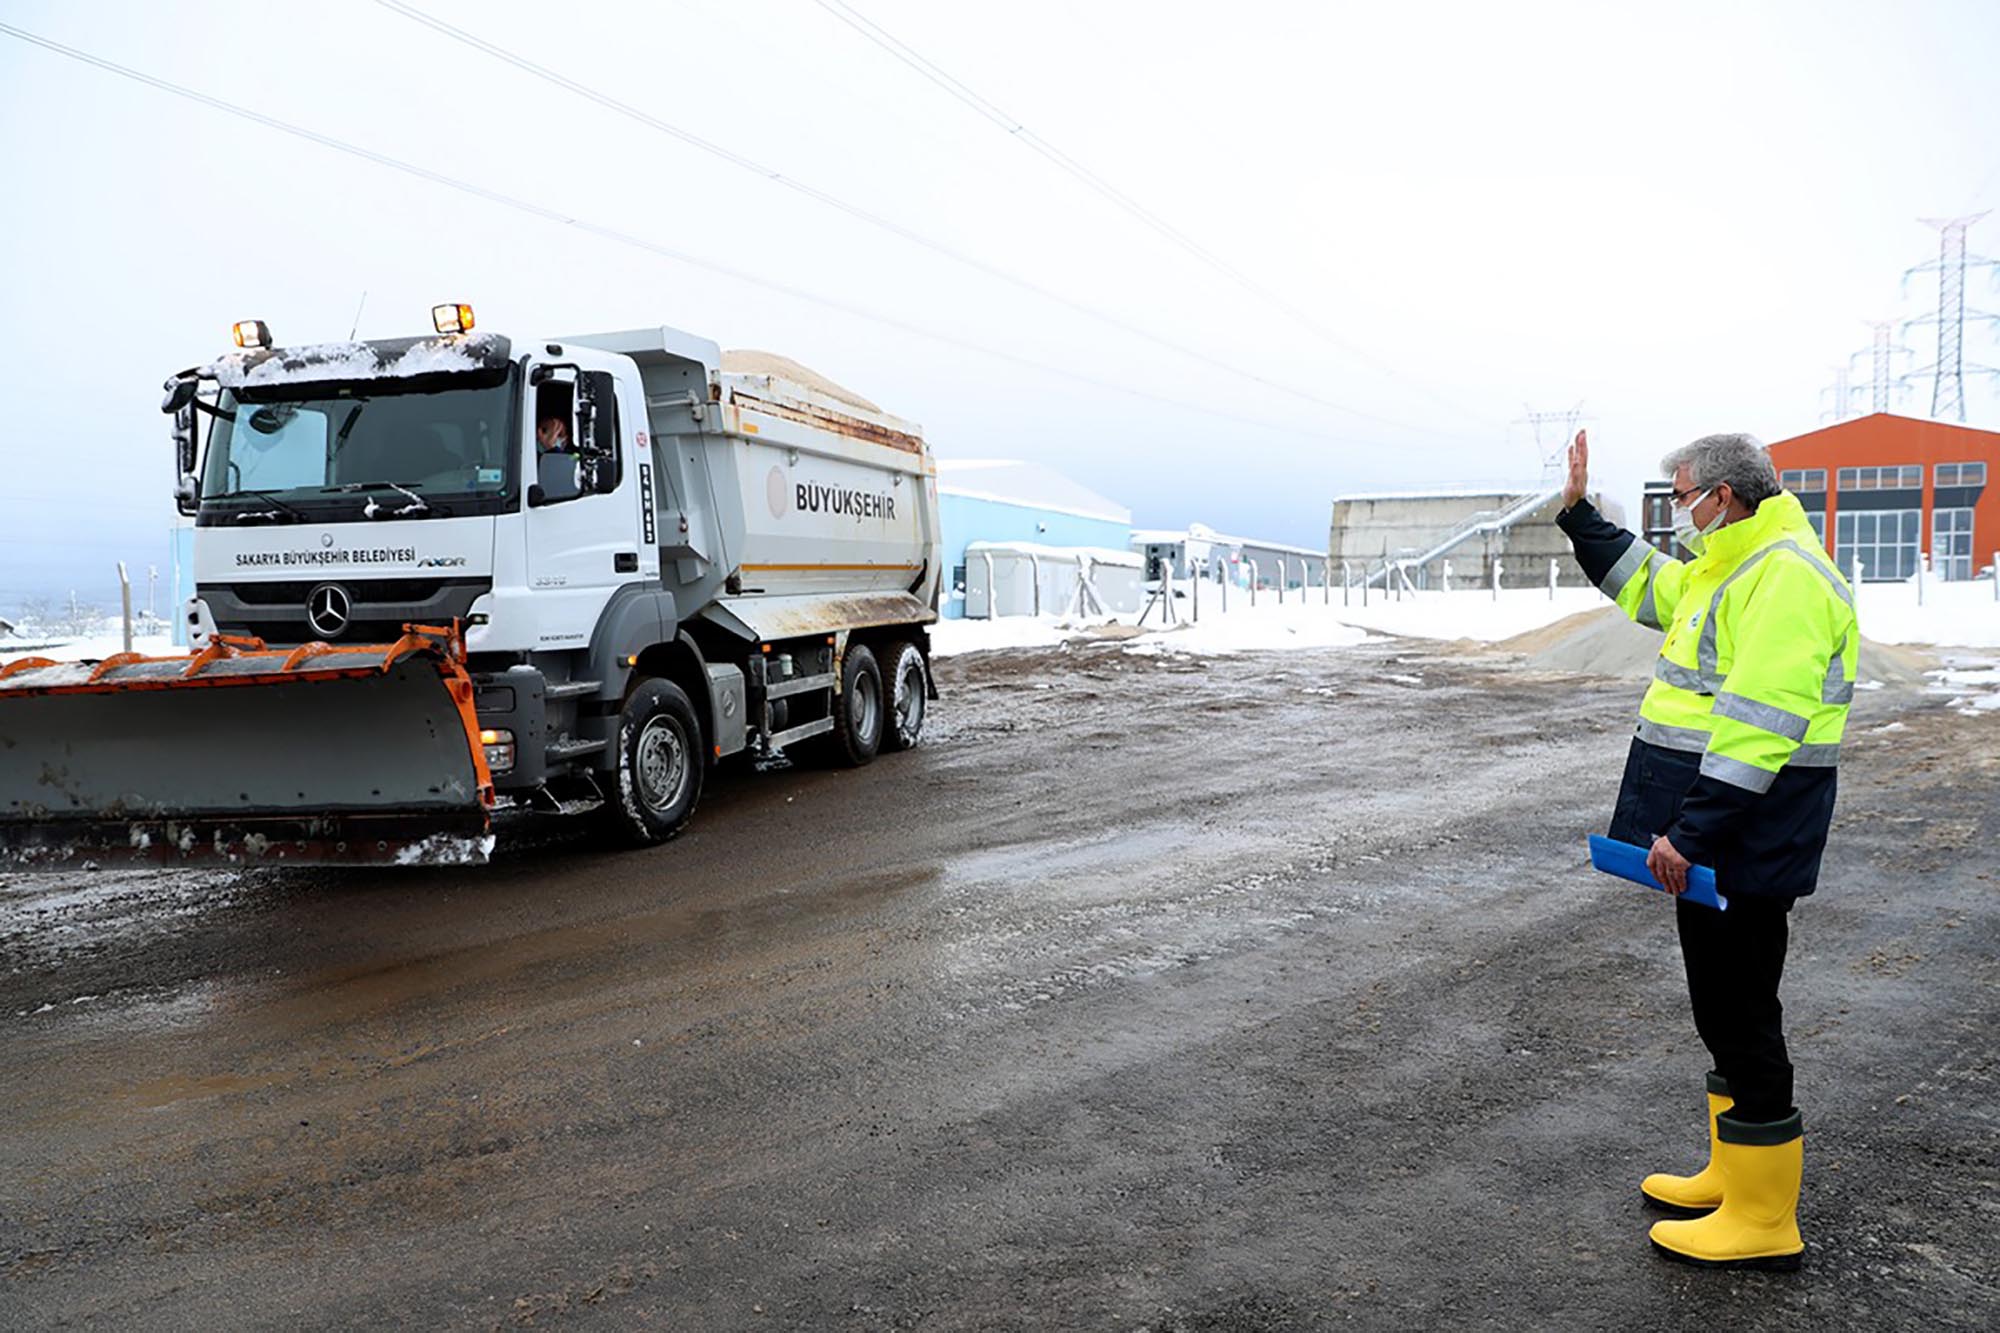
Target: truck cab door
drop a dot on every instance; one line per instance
(582, 514)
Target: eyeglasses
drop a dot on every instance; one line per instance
(1679, 496)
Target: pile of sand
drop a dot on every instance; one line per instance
(1605, 643)
(750, 361)
(1597, 643)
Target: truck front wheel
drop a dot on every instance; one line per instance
(660, 765)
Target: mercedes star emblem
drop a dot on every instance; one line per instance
(327, 609)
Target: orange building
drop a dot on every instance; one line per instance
(1881, 488)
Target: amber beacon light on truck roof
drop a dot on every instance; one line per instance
(452, 317)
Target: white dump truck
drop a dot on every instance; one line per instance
(445, 576)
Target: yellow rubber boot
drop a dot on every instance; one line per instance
(1757, 1224)
(1690, 1196)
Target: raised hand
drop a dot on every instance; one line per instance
(1579, 471)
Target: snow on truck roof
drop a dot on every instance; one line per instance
(766, 377)
(383, 358)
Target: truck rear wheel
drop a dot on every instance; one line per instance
(660, 766)
(857, 711)
(908, 694)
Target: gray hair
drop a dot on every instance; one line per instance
(1738, 461)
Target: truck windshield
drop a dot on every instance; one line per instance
(308, 444)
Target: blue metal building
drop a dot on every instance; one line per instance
(1007, 500)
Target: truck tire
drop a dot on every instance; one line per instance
(857, 711)
(908, 693)
(660, 769)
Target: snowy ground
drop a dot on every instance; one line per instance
(86, 649)
(1466, 613)
(1973, 683)
(1308, 622)
(1962, 615)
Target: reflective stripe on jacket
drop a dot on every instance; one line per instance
(1754, 676)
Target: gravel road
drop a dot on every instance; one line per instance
(1243, 993)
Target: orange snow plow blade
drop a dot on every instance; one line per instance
(241, 753)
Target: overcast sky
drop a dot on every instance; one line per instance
(1677, 215)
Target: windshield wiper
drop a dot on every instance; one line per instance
(279, 507)
(347, 428)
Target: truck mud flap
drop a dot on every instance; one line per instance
(239, 754)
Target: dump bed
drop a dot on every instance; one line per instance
(785, 500)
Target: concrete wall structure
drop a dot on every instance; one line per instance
(1406, 525)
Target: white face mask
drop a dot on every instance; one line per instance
(1686, 533)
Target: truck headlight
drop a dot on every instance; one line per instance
(498, 742)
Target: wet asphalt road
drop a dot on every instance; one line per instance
(1257, 993)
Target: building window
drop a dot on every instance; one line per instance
(1951, 542)
(1818, 520)
(1901, 477)
(1961, 474)
(1884, 541)
(1656, 519)
(1804, 481)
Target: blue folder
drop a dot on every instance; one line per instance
(1628, 862)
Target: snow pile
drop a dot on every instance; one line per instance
(1960, 614)
(949, 638)
(445, 849)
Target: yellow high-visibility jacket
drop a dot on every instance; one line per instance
(1749, 695)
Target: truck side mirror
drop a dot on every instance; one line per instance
(185, 491)
(180, 392)
(597, 431)
(586, 415)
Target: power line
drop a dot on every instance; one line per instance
(1021, 134)
(638, 242)
(873, 219)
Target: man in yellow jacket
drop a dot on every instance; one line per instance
(1732, 765)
